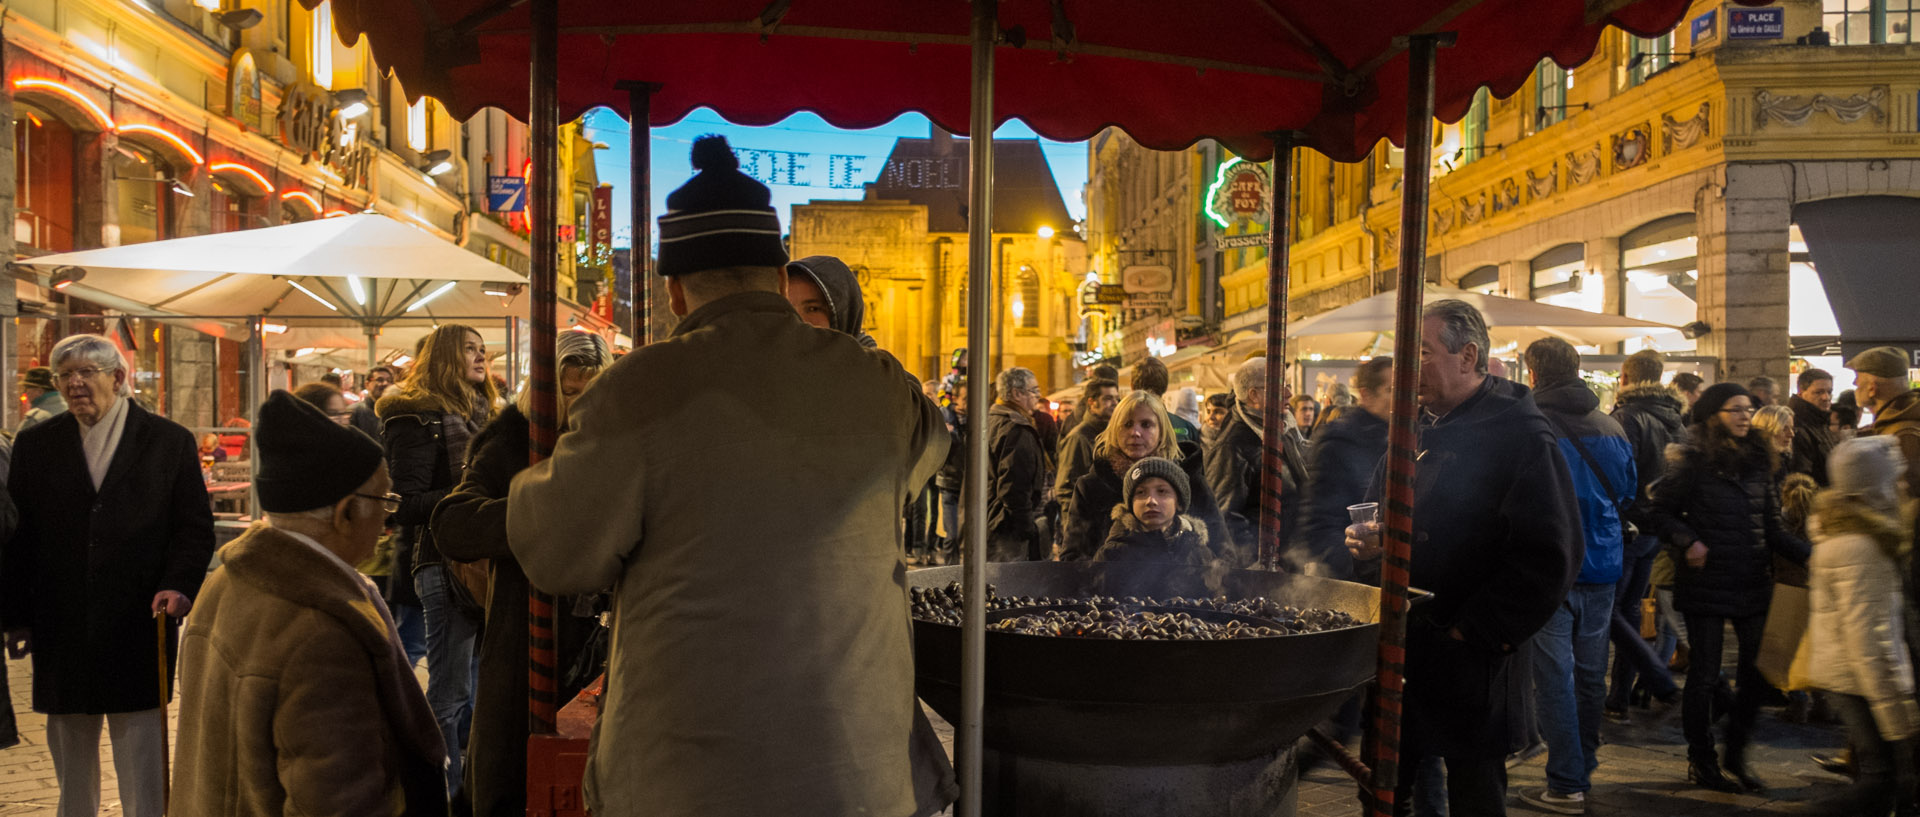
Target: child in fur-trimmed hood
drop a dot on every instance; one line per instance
(1150, 524)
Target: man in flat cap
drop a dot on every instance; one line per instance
(1882, 385)
(739, 485)
(295, 695)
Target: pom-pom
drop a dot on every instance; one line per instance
(711, 152)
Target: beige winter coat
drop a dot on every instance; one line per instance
(1855, 627)
(740, 487)
(295, 698)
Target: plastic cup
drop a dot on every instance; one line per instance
(1365, 513)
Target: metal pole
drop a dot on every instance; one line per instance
(1273, 455)
(639, 285)
(513, 351)
(373, 353)
(543, 201)
(1383, 744)
(256, 394)
(980, 297)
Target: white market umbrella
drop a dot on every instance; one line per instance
(1355, 329)
(367, 269)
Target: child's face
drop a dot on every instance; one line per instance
(1155, 503)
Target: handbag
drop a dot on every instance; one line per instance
(1782, 640)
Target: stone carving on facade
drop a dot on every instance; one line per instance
(1678, 135)
(1584, 166)
(1443, 221)
(1508, 196)
(1796, 110)
(1544, 186)
(1389, 242)
(1472, 210)
(1632, 148)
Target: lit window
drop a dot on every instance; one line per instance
(417, 125)
(322, 45)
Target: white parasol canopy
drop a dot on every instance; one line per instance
(367, 268)
(1357, 328)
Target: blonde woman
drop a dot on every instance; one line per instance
(1775, 424)
(1139, 429)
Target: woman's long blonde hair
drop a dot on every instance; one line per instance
(439, 376)
(1110, 441)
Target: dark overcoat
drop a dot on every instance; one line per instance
(84, 567)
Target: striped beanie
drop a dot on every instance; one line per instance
(719, 218)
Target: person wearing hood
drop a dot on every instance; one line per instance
(1812, 408)
(1497, 540)
(1570, 652)
(470, 525)
(1718, 511)
(1855, 629)
(1651, 414)
(295, 695)
(1340, 465)
(738, 486)
(1233, 461)
(827, 294)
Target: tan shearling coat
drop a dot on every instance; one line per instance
(295, 698)
(739, 485)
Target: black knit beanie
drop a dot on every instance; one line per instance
(308, 461)
(1716, 396)
(1163, 468)
(719, 218)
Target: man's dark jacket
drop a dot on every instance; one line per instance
(1076, 457)
(1653, 416)
(1812, 440)
(1233, 463)
(953, 473)
(1497, 542)
(1018, 487)
(1340, 468)
(84, 566)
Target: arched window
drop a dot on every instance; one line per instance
(1560, 277)
(1484, 280)
(43, 164)
(1658, 270)
(1026, 299)
(232, 209)
(143, 184)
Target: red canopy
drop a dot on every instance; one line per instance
(1170, 74)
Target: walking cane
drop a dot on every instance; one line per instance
(166, 771)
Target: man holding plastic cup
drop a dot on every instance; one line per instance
(1496, 540)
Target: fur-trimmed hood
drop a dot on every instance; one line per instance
(1183, 525)
(1838, 514)
(1660, 392)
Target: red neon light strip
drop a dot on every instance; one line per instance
(168, 137)
(245, 171)
(304, 197)
(86, 103)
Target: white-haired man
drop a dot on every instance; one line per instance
(1234, 457)
(115, 530)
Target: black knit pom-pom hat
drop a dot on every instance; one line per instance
(719, 218)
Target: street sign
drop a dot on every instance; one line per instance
(1234, 242)
(1703, 27)
(1768, 23)
(1103, 295)
(1141, 279)
(506, 194)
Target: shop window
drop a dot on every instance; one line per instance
(1862, 22)
(233, 210)
(1659, 269)
(1485, 280)
(43, 164)
(143, 184)
(1560, 278)
(1646, 57)
(1473, 128)
(1550, 86)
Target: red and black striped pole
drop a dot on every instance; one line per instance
(1382, 752)
(1273, 457)
(542, 202)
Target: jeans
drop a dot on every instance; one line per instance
(412, 624)
(1708, 638)
(1570, 682)
(1633, 657)
(1673, 625)
(1475, 786)
(1880, 763)
(139, 741)
(451, 665)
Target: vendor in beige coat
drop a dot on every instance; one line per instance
(739, 486)
(295, 697)
(1855, 628)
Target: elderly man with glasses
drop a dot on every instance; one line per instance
(1017, 484)
(115, 532)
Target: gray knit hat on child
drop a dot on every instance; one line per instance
(1157, 467)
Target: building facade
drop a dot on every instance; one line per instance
(907, 242)
(1744, 176)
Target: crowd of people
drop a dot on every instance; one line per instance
(745, 533)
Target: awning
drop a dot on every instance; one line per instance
(1868, 256)
(1357, 328)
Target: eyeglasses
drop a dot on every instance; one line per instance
(389, 501)
(86, 373)
(1743, 412)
